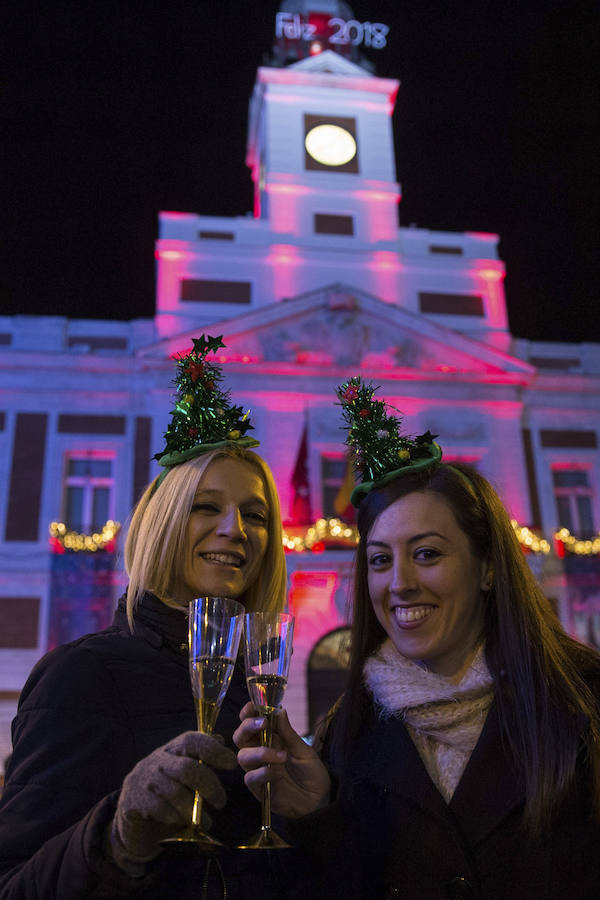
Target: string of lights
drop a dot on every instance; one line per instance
(323, 531)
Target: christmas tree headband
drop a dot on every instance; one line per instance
(378, 450)
(204, 418)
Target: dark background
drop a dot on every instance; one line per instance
(116, 110)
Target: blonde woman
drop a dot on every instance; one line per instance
(105, 760)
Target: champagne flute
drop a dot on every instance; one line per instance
(268, 651)
(215, 628)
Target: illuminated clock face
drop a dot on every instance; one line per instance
(330, 145)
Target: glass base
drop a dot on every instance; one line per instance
(267, 839)
(193, 839)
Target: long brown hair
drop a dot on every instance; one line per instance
(543, 697)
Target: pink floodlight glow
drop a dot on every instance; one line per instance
(295, 189)
(368, 84)
(169, 254)
(357, 103)
(491, 274)
(177, 215)
(236, 358)
(482, 235)
(312, 599)
(285, 270)
(385, 259)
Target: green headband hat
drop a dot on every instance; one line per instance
(379, 451)
(204, 418)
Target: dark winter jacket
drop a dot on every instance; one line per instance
(390, 834)
(89, 712)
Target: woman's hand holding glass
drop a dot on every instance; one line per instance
(299, 781)
(215, 627)
(158, 796)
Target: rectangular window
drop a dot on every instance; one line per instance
(19, 622)
(327, 223)
(216, 235)
(333, 472)
(200, 290)
(555, 362)
(573, 495)
(74, 423)
(450, 251)
(88, 491)
(550, 437)
(26, 478)
(451, 304)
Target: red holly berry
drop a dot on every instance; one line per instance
(195, 370)
(363, 413)
(351, 393)
(192, 431)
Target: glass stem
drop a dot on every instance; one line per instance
(267, 739)
(206, 728)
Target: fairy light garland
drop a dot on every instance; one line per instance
(578, 545)
(323, 530)
(334, 530)
(61, 536)
(529, 539)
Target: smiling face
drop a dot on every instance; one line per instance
(226, 535)
(425, 583)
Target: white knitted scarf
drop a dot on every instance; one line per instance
(444, 718)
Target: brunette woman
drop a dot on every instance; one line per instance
(464, 757)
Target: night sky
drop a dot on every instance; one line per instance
(116, 110)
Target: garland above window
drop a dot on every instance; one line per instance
(61, 538)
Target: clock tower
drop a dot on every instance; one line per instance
(320, 143)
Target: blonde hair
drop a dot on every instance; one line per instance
(153, 557)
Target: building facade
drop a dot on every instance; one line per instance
(318, 284)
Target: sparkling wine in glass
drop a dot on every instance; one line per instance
(268, 651)
(215, 628)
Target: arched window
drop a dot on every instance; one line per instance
(327, 670)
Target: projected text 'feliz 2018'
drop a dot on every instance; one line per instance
(371, 34)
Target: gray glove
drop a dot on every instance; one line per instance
(157, 796)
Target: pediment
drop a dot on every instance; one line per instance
(339, 326)
(331, 63)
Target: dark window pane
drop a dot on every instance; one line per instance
(331, 224)
(570, 478)
(333, 468)
(563, 509)
(199, 290)
(77, 467)
(100, 507)
(97, 468)
(450, 251)
(451, 304)
(74, 510)
(551, 437)
(330, 492)
(100, 468)
(586, 520)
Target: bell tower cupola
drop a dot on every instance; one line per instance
(320, 143)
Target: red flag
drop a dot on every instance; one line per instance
(301, 512)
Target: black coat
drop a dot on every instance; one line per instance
(89, 712)
(390, 834)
